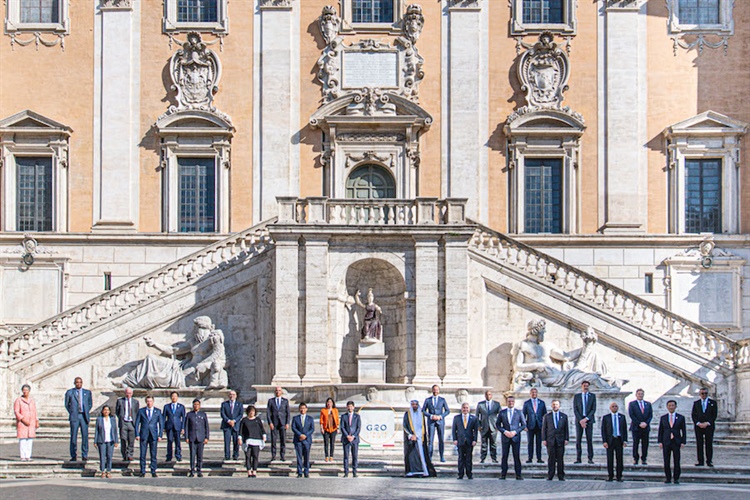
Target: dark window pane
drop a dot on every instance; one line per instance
(197, 177)
(543, 196)
(40, 11)
(699, 11)
(34, 193)
(372, 11)
(703, 196)
(543, 11)
(197, 11)
(369, 182)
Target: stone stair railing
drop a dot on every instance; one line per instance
(743, 353)
(242, 245)
(708, 344)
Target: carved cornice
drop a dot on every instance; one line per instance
(275, 4)
(116, 4)
(370, 137)
(465, 4)
(623, 4)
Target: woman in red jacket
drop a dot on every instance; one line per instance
(329, 425)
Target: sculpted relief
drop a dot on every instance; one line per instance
(195, 72)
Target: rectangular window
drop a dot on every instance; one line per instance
(197, 11)
(699, 11)
(40, 11)
(543, 195)
(543, 12)
(649, 283)
(197, 177)
(34, 195)
(372, 11)
(703, 196)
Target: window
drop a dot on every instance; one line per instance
(34, 197)
(700, 18)
(197, 11)
(372, 11)
(197, 195)
(543, 11)
(40, 11)
(371, 16)
(36, 17)
(699, 11)
(370, 182)
(543, 197)
(703, 196)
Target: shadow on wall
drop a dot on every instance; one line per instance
(498, 367)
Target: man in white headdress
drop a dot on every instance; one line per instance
(416, 458)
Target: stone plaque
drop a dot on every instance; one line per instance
(704, 297)
(19, 285)
(370, 69)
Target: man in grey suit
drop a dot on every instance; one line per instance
(78, 402)
(126, 410)
(510, 423)
(487, 412)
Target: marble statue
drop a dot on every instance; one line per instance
(540, 364)
(372, 329)
(197, 361)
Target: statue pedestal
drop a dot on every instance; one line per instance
(371, 360)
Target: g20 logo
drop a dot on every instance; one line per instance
(376, 427)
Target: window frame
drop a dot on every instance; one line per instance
(370, 165)
(725, 26)
(172, 25)
(51, 193)
(178, 211)
(560, 160)
(568, 27)
(13, 22)
(701, 160)
(349, 26)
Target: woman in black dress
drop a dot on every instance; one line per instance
(253, 438)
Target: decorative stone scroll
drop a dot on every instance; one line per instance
(195, 71)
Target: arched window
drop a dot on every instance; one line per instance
(370, 181)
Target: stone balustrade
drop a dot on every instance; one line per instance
(372, 212)
(710, 345)
(743, 353)
(239, 246)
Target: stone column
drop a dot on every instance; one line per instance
(117, 35)
(456, 304)
(625, 179)
(316, 310)
(466, 119)
(277, 105)
(286, 331)
(426, 306)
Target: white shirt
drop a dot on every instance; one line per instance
(107, 429)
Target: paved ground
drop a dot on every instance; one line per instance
(364, 488)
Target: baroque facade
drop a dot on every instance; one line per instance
(478, 164)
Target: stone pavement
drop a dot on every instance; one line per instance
(362, 488)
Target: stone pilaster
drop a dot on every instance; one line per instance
(456, 305)
(286, 331)
(316, 310)
(426, 309)
(117, 72)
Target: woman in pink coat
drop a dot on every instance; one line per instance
(26, 422)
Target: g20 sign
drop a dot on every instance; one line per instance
(378, 425)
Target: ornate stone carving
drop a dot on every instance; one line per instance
(703, 34)
(370, 137)
(372, 394)
(275, 4)
(372, 328)
(462, 396)
(330, 24)
(115, 4)
(413, 22)
(354, 159)
(195, 71)
(371, 102)
(544, 72)
(465, 4)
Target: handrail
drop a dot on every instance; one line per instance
(252, 241)
(703, 341)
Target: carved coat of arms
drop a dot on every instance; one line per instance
(195, 72)
(544, 72)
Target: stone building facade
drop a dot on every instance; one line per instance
(477, 163)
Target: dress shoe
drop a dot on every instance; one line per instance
(644, 462)
(494, 460)
(591, 462)
(442, 460)
(191, 475)
(667, 482)
(282, 458)
(354, 474)
(471, 476)
(481, 461)
(549, 479)
(73, 459)
(307, 475)
(460, 477)
(635, 462)
(200, 474)
(699, 464)
(609, 479)
(529, 461)
(577, 462)
(299, 475)
(539, 461)
(346, 474)
(562, 479)
(502, 478)
(710, 464)
(519, 478)
(179, 459)
(676, 482)
(130, 459)
(619, 479)
(153, 474)
(273, 457)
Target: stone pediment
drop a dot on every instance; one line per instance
(371, 105)
(707, 123)
(545, 121)
(32, 122)
(202, 121)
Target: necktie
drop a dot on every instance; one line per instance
(616, 432)
(302, 419)
(278, 402)
(174, 408)
(149, 413)
(128, 410)
(533, 401)
(231, 408)
(80, 400)
(434, 402)
(585, 400)
(704, 405)
(556, 419)
(510, 417)
(464, 421)
(671, 419)
(351, 415)
(642, 410)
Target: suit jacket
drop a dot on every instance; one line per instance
(678, 430)
(468, 435)
(557, 435)
(227, 414)
(350, 430)
(581, 412)
(308, 429)
(517, 423)
(709, 415)
(196, 426)
(487, 413)
(637, 417)
(149, 430)
(120, 410)
(608, 428)
(174, 420)
(441, 408)
(278, 415)
(534, 420)
(99, 434)
(73, 405)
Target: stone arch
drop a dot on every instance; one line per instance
(389, 289)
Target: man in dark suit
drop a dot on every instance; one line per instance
(705, 411)
(584, 407)
(672, 438)
(465, 432)
(303, 427)
(641, 413)
(277, 415)
(149, 429)
(487, 412)
(510, 423)
(196, 436)
(350, 425)
(436, 409)
(555, 435)
(231, 415)
(126, 410)
(614, 437)
(534, 410)
(174, 425)
(78, 402)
